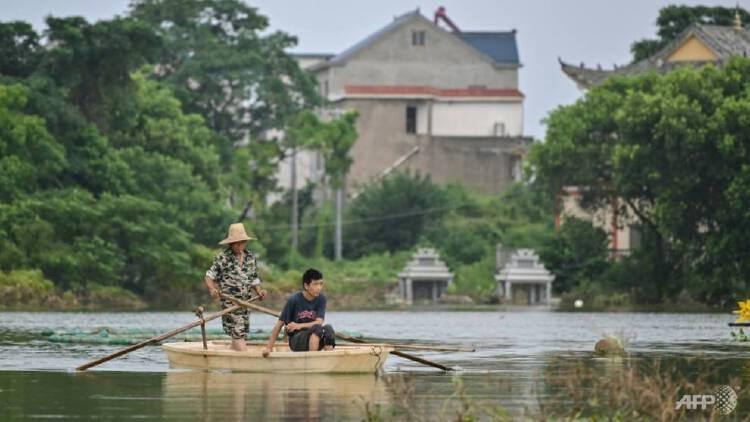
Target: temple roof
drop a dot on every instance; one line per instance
(723, 41)
(426, 264)
(524, 267)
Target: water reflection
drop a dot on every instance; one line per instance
(208, 395)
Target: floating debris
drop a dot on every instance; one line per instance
(609, 346)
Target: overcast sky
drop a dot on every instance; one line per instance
(592, 31)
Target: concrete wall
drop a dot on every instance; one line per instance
(464, 118)
(476, 118)
(382, 137)
(485, 164)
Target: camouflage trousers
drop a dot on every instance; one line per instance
(236, 324)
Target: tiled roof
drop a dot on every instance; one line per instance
(724, 41)
(431, 91)
(500, 46)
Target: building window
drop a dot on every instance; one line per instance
(499, 129)
(417, 37)
(411, 119)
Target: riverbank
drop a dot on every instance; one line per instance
(356, 304)
(30, 291)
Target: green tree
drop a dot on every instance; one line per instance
(577, 252)
(393, 214)
(673, 149)
(334, 141)
(224, 64)
(126, 209)
(94, 62)
(158, 125)
(474, 224)
(674, 19)
(30, 158)
(90, 162)
(19, 49)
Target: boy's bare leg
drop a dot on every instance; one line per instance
(327, 347)
(314, 343)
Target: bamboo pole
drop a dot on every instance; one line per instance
(199, 314)
(339, 335)
(160, 337)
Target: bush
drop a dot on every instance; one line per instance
(577, 252)
(351, 284)
(112, 297)
(392, 215)
(24, 287)
(477, 280)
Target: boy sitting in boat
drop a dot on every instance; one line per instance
(303, 316)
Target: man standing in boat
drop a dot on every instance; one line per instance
(303, 316)
(234, 272)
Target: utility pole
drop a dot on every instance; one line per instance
(295, 207)
(338, 237)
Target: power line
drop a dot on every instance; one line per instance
(373, 219)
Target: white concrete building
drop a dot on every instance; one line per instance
(443, 103)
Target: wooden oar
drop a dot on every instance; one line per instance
(161, 337)
(425, 347)
(339, 335)
(415, 346)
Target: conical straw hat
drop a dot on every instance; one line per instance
(236, 234)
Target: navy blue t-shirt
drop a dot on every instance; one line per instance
(300, 310)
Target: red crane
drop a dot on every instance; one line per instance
(440, 14)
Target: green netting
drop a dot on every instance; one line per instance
(129, 336)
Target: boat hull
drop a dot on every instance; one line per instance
(365, 358)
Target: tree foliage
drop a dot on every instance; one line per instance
(224, 66)
(104, 179)
(222, 63)
(674, 149)
(94, 62)
(392, 214)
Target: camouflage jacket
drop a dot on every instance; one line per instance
(226, 270)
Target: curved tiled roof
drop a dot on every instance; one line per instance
(432, 91)
(724, 41)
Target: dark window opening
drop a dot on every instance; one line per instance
(411, 119)
(417, 37)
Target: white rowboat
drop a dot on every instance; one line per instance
(360, 358)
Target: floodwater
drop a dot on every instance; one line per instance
(515, 352)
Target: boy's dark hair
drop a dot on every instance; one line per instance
(310, 275)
